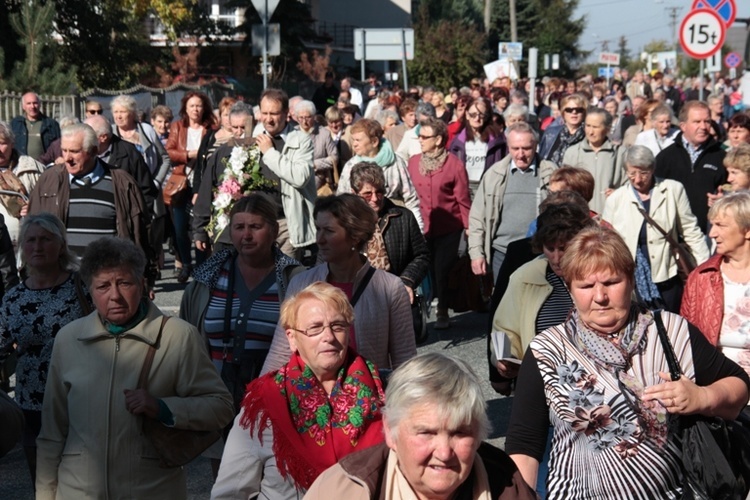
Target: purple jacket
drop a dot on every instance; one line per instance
(496, 149)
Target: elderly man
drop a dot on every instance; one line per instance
(695, 159)
(507, 199)
(34, 131)
(121, 154)
(92, 198)
(287, 159)
(638, 87)
(325, 154)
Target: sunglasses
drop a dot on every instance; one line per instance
(94, 111)
(474, 115)
(425, 137)
(577, 111)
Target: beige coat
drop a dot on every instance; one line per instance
(90, 446)
(671, 210)
(606, 165)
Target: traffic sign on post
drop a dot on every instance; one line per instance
(609, 58)
(733, 60)
(265, 8)
(702, 33)
(726, 9)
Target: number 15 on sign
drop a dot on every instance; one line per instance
(702, 33)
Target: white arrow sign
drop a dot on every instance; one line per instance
(265, 8)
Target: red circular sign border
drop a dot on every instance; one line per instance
(721, 40)
(731, 20)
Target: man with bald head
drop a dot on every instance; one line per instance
(34, 130)
(119, 153)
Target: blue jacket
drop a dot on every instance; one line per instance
(50, 131)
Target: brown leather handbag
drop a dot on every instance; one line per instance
(175, 447)
(176, 189)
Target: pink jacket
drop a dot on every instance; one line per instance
(703, 299)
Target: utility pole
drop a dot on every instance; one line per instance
(487, 16)
(513, 25)
(673, 11)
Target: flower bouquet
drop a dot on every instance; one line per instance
(242, 176)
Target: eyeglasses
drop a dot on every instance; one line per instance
(337, 327)
(94, 111)
(474, 115)
(425, 137)
(369, 194)
(577, 111)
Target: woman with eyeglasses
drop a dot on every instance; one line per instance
(481, 143)
(442, 184)
(383, 328)
(558, 138)
(324, 403)
(656, 281)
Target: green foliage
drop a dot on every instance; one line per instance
(447, 53)
(40, 70)
(468, 11)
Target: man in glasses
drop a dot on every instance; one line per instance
(34, 130)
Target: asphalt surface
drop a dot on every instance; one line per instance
(464, 339)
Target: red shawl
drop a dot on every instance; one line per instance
(312, 430)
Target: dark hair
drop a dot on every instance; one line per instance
(367, 172)
(559, 223)
(277, 95)
(257, 204)
(111, 253)
(489, 128)
(352, 213)
(741, 120)
(439, 128)
(207, 119)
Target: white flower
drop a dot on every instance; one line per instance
(222, 201)
(237, 160)
(222, 221)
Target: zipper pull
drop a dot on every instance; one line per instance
(117, 343)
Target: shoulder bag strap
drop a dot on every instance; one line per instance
(362, 286)
(143, 377)
(85, 306)
(656, 226)
(674, 365)
(228, 306)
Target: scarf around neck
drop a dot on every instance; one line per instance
(429, 162)
(385, 157)
(311, 429)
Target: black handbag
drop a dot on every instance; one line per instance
(715, 452)
(419, 317)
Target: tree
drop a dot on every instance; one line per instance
(447, 53)
(624, 51)
(41, 70)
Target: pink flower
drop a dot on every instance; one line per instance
(743, 306)
(734, 322)
(586, 381)
(589, 422)
(230, 187)
(626, 449)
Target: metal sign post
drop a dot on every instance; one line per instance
(265, 9)
(403, 59)
(364, 54)
(703, 79)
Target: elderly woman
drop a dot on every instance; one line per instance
(397, 246)
(185, 136)
(602, 381)
(255, 275)
(557, 138)
(161, 118)
(515, 113)
(660, 133)
(665, 201)
(277, 447)
(92, 444)
(434, 421)
(369, 145)
(382, 331)
(442, 184)
(738, 130)
(737, 163)
(18, 173)
(34, 311)
(536, 297)
(480, 144)
(597, 154)
(325, 155)
(717, 291)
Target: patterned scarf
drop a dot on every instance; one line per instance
(311, 429)
(566, 140)
(377, 254)
(615, 358)
(429, 162)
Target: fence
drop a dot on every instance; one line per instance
(146, 98)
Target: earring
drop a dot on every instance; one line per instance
(354, 249)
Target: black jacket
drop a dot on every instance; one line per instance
(704, 177)
(404, 243)
(125, 156)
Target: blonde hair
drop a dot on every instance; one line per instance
(739, 203)
(324, 292)
(739, 158)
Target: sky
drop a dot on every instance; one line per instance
(641, 21)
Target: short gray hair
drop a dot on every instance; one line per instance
(111, 252)
(661, 110)
(6, 133)
(516, 110)
(739, 202)
(54, 226)
(523, 128)
(90, 139)
(639, 157)
(593, 111)
(305, 105)
(68, 120)
(125, 101)
(240, 108)
(100, 124)
(425, 109)
(446, 382)
(384, 114)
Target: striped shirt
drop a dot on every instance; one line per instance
(556, 308)
(91, 213)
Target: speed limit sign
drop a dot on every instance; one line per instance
(702, 33)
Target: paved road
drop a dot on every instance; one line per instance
(465, 339)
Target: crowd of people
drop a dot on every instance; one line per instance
(308, 231)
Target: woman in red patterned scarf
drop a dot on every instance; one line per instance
(322, 405)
